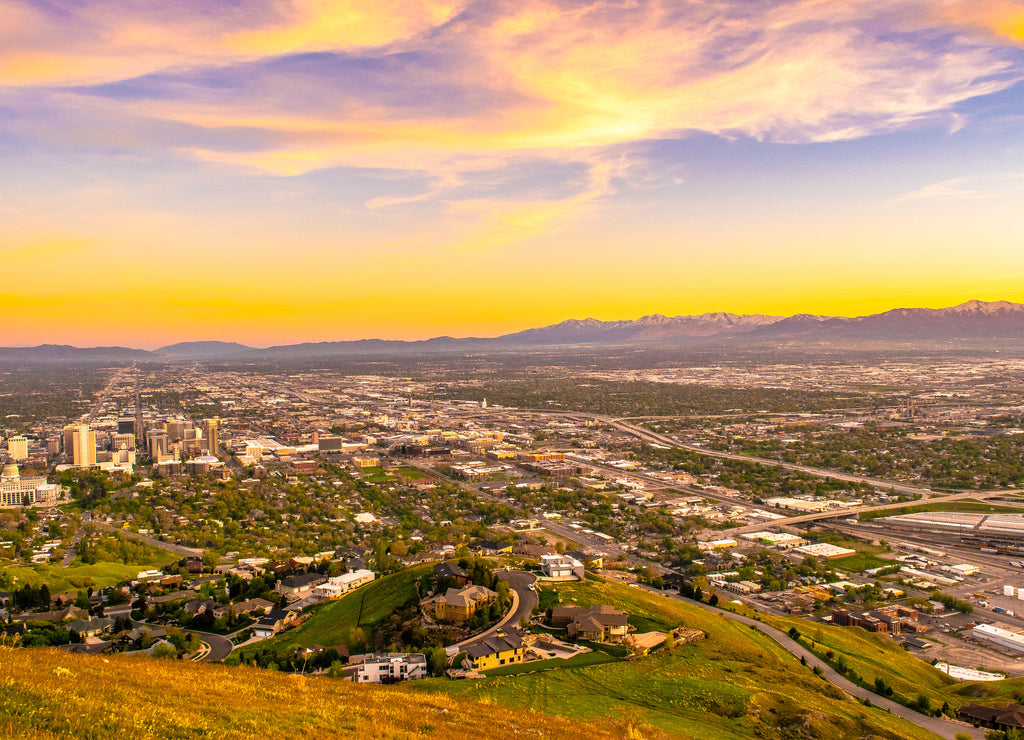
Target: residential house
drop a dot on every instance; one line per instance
(299, 586)
(451, 574)
(562, 567)
(91, 627)
(243, 607)
(601, 623)
(505, 647)
(490, 547)
(338, 586)
(273, 622)
(390, 668)
(55, 617)
(459, 604)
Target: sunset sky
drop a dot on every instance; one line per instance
(274, 171)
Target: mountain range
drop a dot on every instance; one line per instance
(974, 320)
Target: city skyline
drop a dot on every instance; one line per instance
(282, 172)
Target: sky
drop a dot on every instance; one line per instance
(277, 171)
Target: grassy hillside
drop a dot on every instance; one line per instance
(332, 623)
(873, 656)
(736, 684)
(80, 575)
(50, 694)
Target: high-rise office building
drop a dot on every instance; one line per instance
(175, 430)
(17, 448)
(69, 442)
(157, 439)
(210, 431)
(126, 425)
(122, 441)
(83, 446)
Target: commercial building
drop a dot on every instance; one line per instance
(330, 442)
(999, 636)
(17, 448)
(825, 550)
(80, 445)
(16, 490)
(211, 430)
(157, 441)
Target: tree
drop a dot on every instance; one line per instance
(698, 595)
(713, 600)
(165, 650)
(670, 641)
(794, 633)
(437, 661)
(210, 560)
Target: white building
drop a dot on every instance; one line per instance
(16, 490)
(825, 550)
(999, 636)
(338, 586)
(391, 668)
(561, 566)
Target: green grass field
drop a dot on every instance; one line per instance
(332, 623)
(737, 683)
(860, 562)
(78, 575)
(412, 473)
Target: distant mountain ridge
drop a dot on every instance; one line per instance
(973, 320)
(203, 349)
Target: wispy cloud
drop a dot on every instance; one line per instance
(967, 188)
(445, 89)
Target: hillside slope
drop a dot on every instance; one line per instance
(50, 694)
(735, 685)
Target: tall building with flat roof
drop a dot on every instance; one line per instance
(17, 447)
(157, 439)
(211, 432)
(83, 446)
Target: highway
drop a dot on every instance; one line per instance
(854, 511)
(649, 436)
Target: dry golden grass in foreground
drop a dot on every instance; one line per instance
(49, 694)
